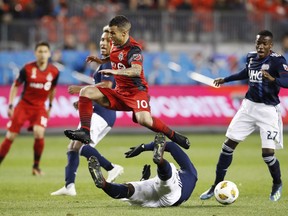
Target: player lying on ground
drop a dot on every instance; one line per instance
(266, 71)
(170, 187)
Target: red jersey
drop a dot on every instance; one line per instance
(37, 83)
(121, 58)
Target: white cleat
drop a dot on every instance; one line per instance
(65, 191)
(114, 173)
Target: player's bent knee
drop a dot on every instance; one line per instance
(74, 146)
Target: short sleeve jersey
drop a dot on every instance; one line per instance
(37, 83)
(123, 57)
(108, 115)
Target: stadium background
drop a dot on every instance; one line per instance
(212, 38)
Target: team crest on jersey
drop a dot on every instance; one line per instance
(137, 57)
(285, 67)
(120, 56)
(33, 74)
(49, 77)
(265, 67)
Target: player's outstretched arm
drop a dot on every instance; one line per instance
(134, 151)
(90, 59)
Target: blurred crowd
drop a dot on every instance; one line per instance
(32, 9)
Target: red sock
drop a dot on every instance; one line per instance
(38, 149)
(159, 126)
(4, 148)
(85, 112)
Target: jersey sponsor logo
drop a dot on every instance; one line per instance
(137, 57)
(120, 66)
(285, 67)
(120, 56)
(255, 76)
(46, 86)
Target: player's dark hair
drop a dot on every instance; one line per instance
(42, 43)
(266, 33)
(121, 22)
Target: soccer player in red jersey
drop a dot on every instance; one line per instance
(39, 79)
(131, 91)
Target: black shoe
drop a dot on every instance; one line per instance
(159, 148)
(95, 171)
(181, 140)
(80, 135)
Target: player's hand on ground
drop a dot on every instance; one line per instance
(74, 89)
(146, 172)
(134, 151)
(217, 82)
(267, 76)
(90, 59)
(75, 105)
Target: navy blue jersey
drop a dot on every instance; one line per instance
(108, 115)
(262, 90)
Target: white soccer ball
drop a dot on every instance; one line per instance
(226, 192)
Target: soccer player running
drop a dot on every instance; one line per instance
(170, 187)
(131, 91)
(266, 71)
(39, 79)
(101, 123)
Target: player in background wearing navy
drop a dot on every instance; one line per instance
(170, 187)
(131, 91)
(39, 79)
(102, 121)
(266, 71)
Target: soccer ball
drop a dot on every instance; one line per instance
(226, 192)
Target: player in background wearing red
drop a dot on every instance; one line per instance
(39, 79)
(131, 91)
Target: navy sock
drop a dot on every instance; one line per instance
(164, 170)
(87, 151)
(116, 191)
(273, 166)
(71, 168)
(224, 161)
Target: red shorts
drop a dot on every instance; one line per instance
(136, 102)
(23, 113)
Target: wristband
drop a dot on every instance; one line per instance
(10, 106)
(50, 105)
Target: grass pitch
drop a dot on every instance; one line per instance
(24, 194)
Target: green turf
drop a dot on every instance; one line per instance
(23, 194)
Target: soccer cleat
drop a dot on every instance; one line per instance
(65, 191)
(159, 148)
(276, 192)
(208, 194)
(181, 140)
(114, 173)
(80, 135)
(95, 171)
(37, 172)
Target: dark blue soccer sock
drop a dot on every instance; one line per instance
(87, 151)
(164, 170)
(71, 168)
(273, 166)
(224, 161)
(117, 191)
